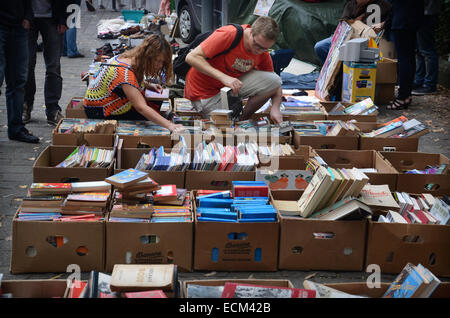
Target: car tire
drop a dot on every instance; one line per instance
(186, 25)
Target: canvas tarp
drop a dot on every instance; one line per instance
(302, 24)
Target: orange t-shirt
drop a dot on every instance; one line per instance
(236, 63)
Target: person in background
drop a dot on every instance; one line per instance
(117, 89)
(407, 17)
(70, 48)
(49, 20)
(427, 59)
(355, 10)
(247, 69)
(90, 6)
(114, 5)
(164, 8)
(15, 18)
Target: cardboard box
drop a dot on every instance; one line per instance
(152, 141)
(221, 282)
(32, 253)
(215, 180)
(386, 174)
(130, 157)
(35, 288)
(358, 82)
(384, 93)
(387, 71)
(75, 108)
(389, 245)
(92, 140)
(359, 118)
(228, 247)
(128, 243)
(442, 291)
(44, 169)
(302, 248)
(387, 48)
(417, 183)
(327, 142)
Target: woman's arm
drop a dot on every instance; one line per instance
(138, 101)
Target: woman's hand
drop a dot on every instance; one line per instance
(154, 87)
(176, 128)
(378, 27)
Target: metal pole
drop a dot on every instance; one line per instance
(207, 15)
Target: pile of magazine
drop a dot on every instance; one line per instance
(158, 159)
(364, 107)
(88, 157)
(141, 128)
(93, 126)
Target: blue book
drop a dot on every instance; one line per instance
(206, 219)
(248, 183)
(257, 215)
(407, 284)
(258, 220)
(170, 219)
(129, 220)
(199, 210)
(215, 203)
(219, 215)
(218, 195)
(126, 177)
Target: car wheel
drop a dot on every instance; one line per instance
(186, 25)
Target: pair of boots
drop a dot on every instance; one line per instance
(52, 119)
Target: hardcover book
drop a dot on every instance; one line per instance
(238, 290)
(126, 178)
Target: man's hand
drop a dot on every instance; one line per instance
(26, 24)
(233, 83)
(176, 128)
(61, 29)
(275, 115)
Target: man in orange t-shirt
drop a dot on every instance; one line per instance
(247, 69)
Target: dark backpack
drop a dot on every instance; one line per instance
(181, 68)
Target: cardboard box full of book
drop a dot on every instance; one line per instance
(359, 118)
(327, 142)
(384, 143)
(129, 157)
(51, 246)
(227, 246)
(64, 133)
(35, 288)
(358, 81)
(149, 243)
(392, 245)
(413, 179)
(377, 168)
(215, 180)
(308, 244)
(387, 71)
(194, 288)
(45, 167)
(75, 108)
(130, 141)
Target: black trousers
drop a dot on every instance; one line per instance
(405, 44)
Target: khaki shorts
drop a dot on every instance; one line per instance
(253, 83)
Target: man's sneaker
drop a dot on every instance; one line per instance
(54, 119)
(423, 91)
(26, 115)
(416, 86)
(25, 136)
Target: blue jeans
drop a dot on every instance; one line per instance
(14, 69)
(70, 43)
(427, 60)
(322, 48)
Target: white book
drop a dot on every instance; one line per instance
(431, 219)
(415, 204)
(413, 217)
(395, 217)
(91, 186)
(409, 204)
(401, 201)
(425, 205)
(383, 219)
(441, 212)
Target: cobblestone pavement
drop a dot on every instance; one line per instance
(16, 158)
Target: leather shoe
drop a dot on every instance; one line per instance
(25, 136)
(75, 56)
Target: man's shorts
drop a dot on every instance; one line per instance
(253, 83)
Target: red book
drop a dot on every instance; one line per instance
(406, 217)
(76, 289)
(204, 192)
(422, 217)
(167, 192)
(251, 191)
(146, 294)
(238, 290)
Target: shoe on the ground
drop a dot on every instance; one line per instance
(102, 7)
(26, 115)
(423, 91)
(54, 119)
(75, 56)
(416, 86)
(25, 136)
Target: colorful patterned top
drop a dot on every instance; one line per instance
(105, 88)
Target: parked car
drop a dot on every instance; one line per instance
(190, 17)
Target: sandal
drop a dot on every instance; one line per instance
(398, 104)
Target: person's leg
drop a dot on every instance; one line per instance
(53, 80)
(30, 86)
(322, 48)
(71, 40)
(405, 41)
(426, 46)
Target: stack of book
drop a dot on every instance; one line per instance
(88, 157)
(328, 186)
(183, 105)
(279, 150)
(364, 107)
(262, 125)
(247, 202)
(215, 157)
(141, 128)
(300, 105)
(424, 209)
(399, 127)
(91, 126)
(157, 159)
(85, 203)
(133, 184)
(326, 128)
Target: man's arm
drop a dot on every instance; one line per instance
(197, 59)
